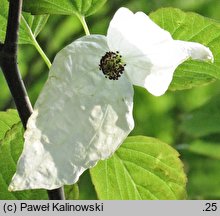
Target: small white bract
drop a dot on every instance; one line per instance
(84, 112)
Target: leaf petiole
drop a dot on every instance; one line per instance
(35, 43)
(84, 24)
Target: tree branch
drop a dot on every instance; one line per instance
(8, 63)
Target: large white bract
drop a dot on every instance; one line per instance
(82, 117)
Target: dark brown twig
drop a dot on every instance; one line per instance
(8, 63)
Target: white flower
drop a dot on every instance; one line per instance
(81, 117)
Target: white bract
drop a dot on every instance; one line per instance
(82, 117)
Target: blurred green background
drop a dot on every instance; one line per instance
(158, 117)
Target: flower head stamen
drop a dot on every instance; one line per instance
(112, 65)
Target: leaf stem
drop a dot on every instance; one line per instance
(84, 24)
(35, 43)
(41, 52)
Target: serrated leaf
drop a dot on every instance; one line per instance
(142, 168)
(30, 26)
(7, 120)
(10, 151)
(192, 27)
(64, 7)
(204, 120)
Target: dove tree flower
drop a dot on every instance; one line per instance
(84, 112)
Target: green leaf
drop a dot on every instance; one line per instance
(64, 7)
(71, 192)
(3, 18)
(192, 27)
(204, 120)
(210, 149)
(7, 120)
(30, 25)
(10, 151)
(86, 188)
(142, 168)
